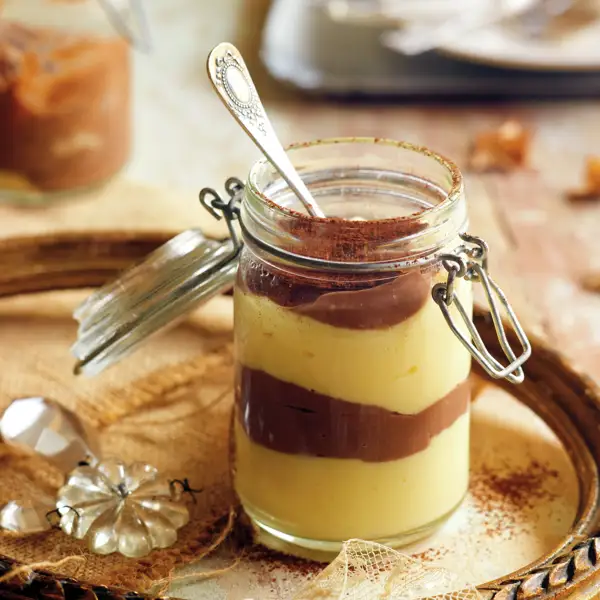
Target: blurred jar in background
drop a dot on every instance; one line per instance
(65, 122)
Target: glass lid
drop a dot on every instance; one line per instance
(173, 280)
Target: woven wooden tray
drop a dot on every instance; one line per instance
(565, 399)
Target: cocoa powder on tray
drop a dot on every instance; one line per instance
(275, 561)
(503, 496)
(431, 554)
(272, 560)
(520, 489)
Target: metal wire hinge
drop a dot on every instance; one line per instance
(470, 262)
(218, 208)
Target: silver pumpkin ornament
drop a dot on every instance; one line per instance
(121, 508)
(116, 507)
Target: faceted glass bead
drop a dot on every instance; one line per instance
(121, 508)
(26, 519)
(48, 429)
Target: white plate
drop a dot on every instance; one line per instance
(567, 47)
(394, 12)
(305, 49)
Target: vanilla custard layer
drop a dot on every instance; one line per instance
(337, 499)
(404, 368)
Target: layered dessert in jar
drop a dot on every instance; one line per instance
(64, 109)
(352, 394)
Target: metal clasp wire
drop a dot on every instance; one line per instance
(218, 208)
(474, 268)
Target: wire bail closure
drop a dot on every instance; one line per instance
(218, 208)
(471, 263)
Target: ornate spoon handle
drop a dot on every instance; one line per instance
(231, 80)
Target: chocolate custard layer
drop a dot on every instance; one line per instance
(291, 419)
(357, 302)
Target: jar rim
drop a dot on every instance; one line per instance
(447, 204)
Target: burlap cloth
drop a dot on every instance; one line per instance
(168, 405)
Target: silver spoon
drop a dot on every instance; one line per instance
(231, 80)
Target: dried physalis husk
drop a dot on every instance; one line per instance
(590, 282)
(503, 149)
(591, 188)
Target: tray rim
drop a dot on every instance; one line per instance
(75, 260)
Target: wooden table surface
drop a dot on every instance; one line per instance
(540, 243)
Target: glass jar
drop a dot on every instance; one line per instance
(353, 339)
(64, 98)
(352, 394)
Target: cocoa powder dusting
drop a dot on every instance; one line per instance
(349, 240)
(502, 496)
(275, 561)
(431, 554)
(503, 500)
(271, 561)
